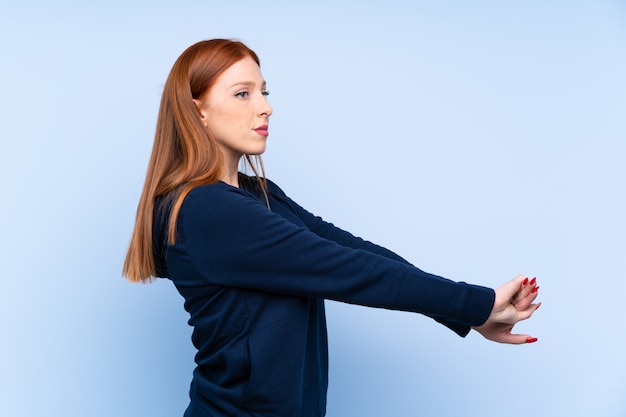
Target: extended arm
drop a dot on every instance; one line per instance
(233, 240)
(513, 300)
(331, 232)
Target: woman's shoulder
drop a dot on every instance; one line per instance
(222, 196)
(218, 197)
(215, 192)
(208, 189)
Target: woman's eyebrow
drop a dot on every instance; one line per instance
(248, 84)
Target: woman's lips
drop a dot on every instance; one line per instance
(262, 130)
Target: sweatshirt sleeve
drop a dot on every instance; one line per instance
(329, 231)
(234, 240)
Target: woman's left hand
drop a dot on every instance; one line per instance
(514, 303)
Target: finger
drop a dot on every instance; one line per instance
(522, 293)
(511, 288)
(528, 287)
(527, 294)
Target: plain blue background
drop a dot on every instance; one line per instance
(480, 140)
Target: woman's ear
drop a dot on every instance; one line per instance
(201, 111)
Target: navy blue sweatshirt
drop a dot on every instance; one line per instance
(254, 282)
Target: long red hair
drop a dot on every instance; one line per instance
(184, 154)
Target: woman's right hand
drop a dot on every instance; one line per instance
(513, 303)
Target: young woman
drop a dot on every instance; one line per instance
(253, 266)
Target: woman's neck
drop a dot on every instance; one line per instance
(230, 172)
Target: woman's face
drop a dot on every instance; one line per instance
(236, 112)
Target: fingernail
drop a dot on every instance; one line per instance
(531, 340)
(534, 290)
(532, 281)
(538, 305)
(525, 281)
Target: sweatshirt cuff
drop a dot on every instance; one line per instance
(458, 328)
(478, 305)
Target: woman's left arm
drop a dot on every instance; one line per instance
(331, 232)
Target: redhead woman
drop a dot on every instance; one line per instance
(254, 267)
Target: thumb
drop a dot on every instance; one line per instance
(525, 314)
(517, 339)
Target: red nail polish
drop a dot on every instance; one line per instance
(525, 281)
(534, 290)
(531, 340)
(532, 281)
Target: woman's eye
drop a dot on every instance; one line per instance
(242, 94)
(266, 93)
